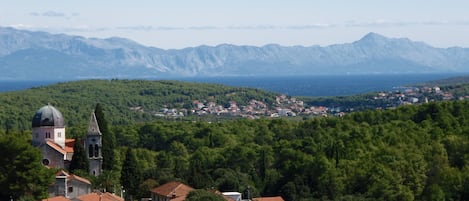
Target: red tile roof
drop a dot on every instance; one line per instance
(56, 147)
(100, 197)
(58, 198)
(276, 198)
(69, 143)
(176, 191)
(75, 177)
(72, 176)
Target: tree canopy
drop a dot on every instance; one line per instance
(22, 175)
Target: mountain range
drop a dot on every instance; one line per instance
(30, 55)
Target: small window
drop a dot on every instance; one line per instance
(37, 135)
(70, 189)
(59, 134)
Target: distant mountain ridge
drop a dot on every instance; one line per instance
(43, 56)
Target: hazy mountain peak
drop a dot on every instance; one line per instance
(373, 37)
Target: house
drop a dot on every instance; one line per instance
(69, 185)
(57, 198)
(236, 196)
(88, 197)
(276, 198)
(100, 197)
(172, 191)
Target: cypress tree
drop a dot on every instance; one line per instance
(131, 174)
(79, 159)
(109, 139)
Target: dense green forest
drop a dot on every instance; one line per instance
(408, 153)
(76, 100)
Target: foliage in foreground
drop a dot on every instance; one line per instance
(410, 153)
(22, 176)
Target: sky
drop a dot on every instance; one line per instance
(176, 24)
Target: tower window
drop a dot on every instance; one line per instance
(70, 189)
(90, 151)
(96, 150)
(59, 134)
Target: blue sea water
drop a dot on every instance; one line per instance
(14, 85)
(326, 85)
(320, 85)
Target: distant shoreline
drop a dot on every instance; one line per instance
(314, 85)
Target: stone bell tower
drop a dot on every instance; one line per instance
(93, 146)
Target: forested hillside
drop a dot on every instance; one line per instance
(76, 100)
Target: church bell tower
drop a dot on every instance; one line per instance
(93, 146)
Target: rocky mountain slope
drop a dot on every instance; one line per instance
(40, 55)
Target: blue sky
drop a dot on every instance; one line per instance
(188, 23)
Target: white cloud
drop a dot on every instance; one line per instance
(389, 23)
(53, 14)
(255, 27)
(204, 28)
(311, 26)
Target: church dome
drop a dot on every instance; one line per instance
(48, 116)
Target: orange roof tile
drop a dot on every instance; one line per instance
(276, 198)
(69, 143)
(56, 147)
(100, 197)
(75, 177)
(175, 190)
(62, 173)
(57, 198)
(72, 176)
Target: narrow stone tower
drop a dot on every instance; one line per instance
(93, 146)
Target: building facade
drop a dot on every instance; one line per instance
(48, 130)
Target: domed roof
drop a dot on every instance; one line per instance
(48, 116)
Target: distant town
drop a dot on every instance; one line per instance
(286, 106)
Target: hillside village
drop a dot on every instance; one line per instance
(286, 106)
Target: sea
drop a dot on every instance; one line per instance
(317, 85)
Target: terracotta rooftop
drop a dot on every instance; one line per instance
(72, 176)
(58, 198)
(56, 147)
(100, 197)
(176, 191)
(69, 143)
(276, 198)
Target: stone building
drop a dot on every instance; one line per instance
(48, 127)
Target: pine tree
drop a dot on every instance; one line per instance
(109, 139)
(21, 174)
(79, 159)
(131, 174)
